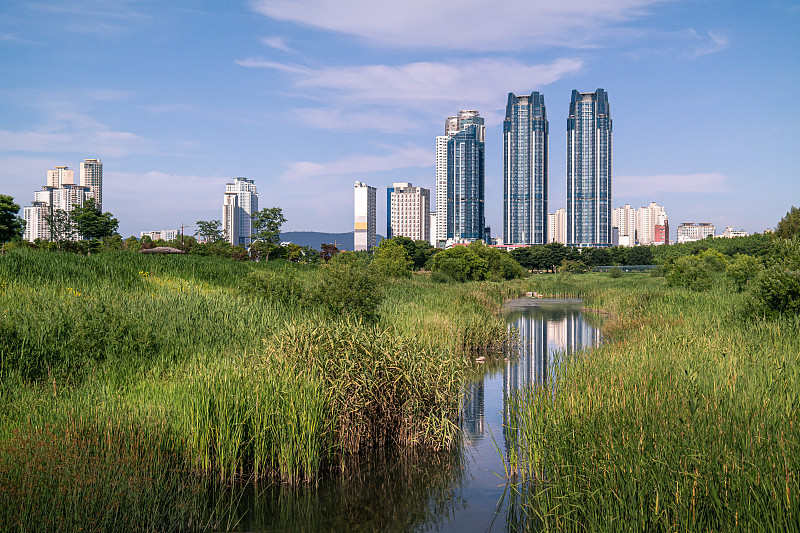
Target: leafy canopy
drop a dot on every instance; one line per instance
(10, 222)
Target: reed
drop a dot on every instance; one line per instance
(684, 419)
(225, 384)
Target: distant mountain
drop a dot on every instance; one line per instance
(343, 241)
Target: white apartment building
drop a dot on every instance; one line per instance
(92, 176)
(690, 231)
(161, 234)
(432, 225)
(408, 211)
(238, 205)
(557, 226)
(63, 197)
(643, 226)
(59, 176)
(365, 212)
(730, 233)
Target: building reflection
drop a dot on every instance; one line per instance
(545, 332)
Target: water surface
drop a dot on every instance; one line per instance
(464, 490)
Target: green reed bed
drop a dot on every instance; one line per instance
(225, 384)
(684, 419)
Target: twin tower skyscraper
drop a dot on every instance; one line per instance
(460, 173)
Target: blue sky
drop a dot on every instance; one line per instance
(307, 96)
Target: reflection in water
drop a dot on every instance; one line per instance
(462, 490)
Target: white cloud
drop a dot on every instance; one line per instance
(276, 42)
(641, 186)
(393, 90)
(359, 164)
(716, 42)
(462, 24)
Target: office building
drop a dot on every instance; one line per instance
(408, 212)
(365, 217)
(525, 170)
(589, 170)
(91, 175)
(238, 206)
(460, 155)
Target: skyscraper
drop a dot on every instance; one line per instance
(460, 178)
(589, 170)
(238, 205)
(525, 170)
(408, 212)
(92, 177)
(365, 200)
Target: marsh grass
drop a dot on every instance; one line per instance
(684, 419)
(225, 384)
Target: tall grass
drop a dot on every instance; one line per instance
(226, 385)
(685, 418)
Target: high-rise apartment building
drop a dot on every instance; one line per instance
(557, 226)
(59, 176)
(365, 200)
(525, 170)
(643, 226)
(589, 170)
(460, 156)
(238, 206)
(92, 177)
(45, 201)
(408, 212)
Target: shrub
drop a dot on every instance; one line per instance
(391, 260)
(691, 272)
(280, 285)
(615, 272)
(714, 260)
(350, 291)
(743, 269)
(572, 266)
(461, 263)
(777, 288)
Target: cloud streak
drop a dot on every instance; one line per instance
(641, 186)
(455, 24)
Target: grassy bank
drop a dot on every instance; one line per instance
(159, 371)
(685, 419)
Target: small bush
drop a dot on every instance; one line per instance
(277, 285)
(691, 272)
(743, 269)
(615, 272)
(350, 291)
(391, 260)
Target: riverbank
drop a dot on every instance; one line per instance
(129, 382)
(684, 419)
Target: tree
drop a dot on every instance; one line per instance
(10, 223)
(742, 269)
(789, 225)
(328, 251)
(391, 259)
(59, 225)
(90, 223)
(209, 230)
(266, 229)
(460, 263)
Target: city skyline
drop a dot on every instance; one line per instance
(305, 100)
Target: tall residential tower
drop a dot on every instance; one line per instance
(365, 200)
(460, 156)
(92, 177)
(589, 170)
(408, 212)
(525, 168)
(239, 204)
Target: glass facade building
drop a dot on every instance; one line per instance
(525, 170)
(589, 170)
(464, 195)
